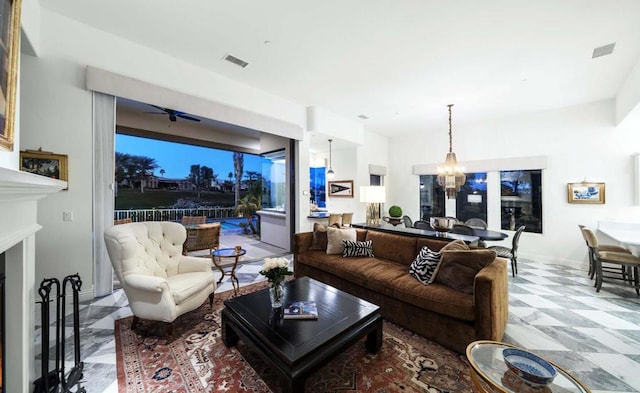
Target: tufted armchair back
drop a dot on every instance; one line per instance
(148, 248)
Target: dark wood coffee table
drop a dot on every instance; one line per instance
(296, 348)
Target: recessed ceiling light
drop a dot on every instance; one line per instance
(363, 117)
(235, 60)
(267, 42)
(603, 50)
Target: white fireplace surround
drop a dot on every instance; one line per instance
(19, 194)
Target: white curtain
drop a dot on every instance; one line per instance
(104, 127)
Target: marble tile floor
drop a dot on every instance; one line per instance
(554, 311)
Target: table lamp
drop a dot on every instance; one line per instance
(373, 196)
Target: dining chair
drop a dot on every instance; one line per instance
(617, 270)
(462, 229)
(476, 223)
(335, 218)
(408, 223)
(346, 219)
(421, 224)
(630, 261)
(510, 253)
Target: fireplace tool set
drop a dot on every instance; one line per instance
(57, 380)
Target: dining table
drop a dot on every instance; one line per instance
(489, 235)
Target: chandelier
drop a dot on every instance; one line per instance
(450, 176)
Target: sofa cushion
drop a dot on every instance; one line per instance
(424, 266)
(458, 269)
(319, 242)
(397, 248)
(357, 249)
(335, 237)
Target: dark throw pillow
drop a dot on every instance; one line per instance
(319, 242)
(357, 249)
(423, 268)
(458, 269)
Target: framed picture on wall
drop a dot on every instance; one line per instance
(44, 163)
(584, 192)
(340, 188)
(9, 52)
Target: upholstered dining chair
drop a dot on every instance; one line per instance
(408, 223)
(346, 219)
(462, 229)
(193, 220)
(616, 269)
(510, 253)
(160, 283)
(421, 224)
(335, 218)
(630, 261)
(476, 223)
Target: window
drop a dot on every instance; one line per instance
(273, 180)
(317, 186)
(521, 200)
(432, 203)
(471, 201)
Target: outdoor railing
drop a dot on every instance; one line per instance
(174, 214)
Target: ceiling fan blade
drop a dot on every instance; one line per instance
(187, 117)
(165, 110)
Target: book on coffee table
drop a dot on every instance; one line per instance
(300, 310)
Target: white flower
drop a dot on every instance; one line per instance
(272, 263)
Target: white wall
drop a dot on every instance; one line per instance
(56, 115)
(580, 142)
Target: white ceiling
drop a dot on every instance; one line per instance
(398, 62)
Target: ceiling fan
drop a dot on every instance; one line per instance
(173, 114)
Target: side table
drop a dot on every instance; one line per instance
(216, 257)
(489, 372)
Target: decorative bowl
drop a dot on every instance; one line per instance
(441, 224)
(531, 368)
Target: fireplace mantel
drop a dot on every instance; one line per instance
(19, 195)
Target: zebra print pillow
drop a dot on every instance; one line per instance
(357, 249)
(423, 268)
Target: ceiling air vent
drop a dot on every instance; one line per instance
(603, 50)
(363, 117)
(235, 60)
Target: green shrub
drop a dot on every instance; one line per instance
(395, 211)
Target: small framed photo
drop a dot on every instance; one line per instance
(341, 188)
(588, 193)
(44, 164)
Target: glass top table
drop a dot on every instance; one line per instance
(490, 373)
(216, 257)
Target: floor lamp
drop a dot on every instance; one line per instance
(373, 196)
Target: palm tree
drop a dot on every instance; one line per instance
(238, 167)
(247, 208)
(123, 161)
(162, 172)
(144, 166)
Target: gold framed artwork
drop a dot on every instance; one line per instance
(44, 163)
(9, 52)
(585, 192)
(340, 188)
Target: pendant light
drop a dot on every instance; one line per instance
(330, 173)
(450, 175)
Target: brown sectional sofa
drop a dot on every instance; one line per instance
(437, 312)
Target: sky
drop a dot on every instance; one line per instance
(176, 158)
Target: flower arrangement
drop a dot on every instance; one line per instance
(275, 269)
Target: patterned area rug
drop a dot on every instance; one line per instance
(195, 360)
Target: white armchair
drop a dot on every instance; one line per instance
(160, 283)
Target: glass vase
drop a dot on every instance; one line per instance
(276, 294)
